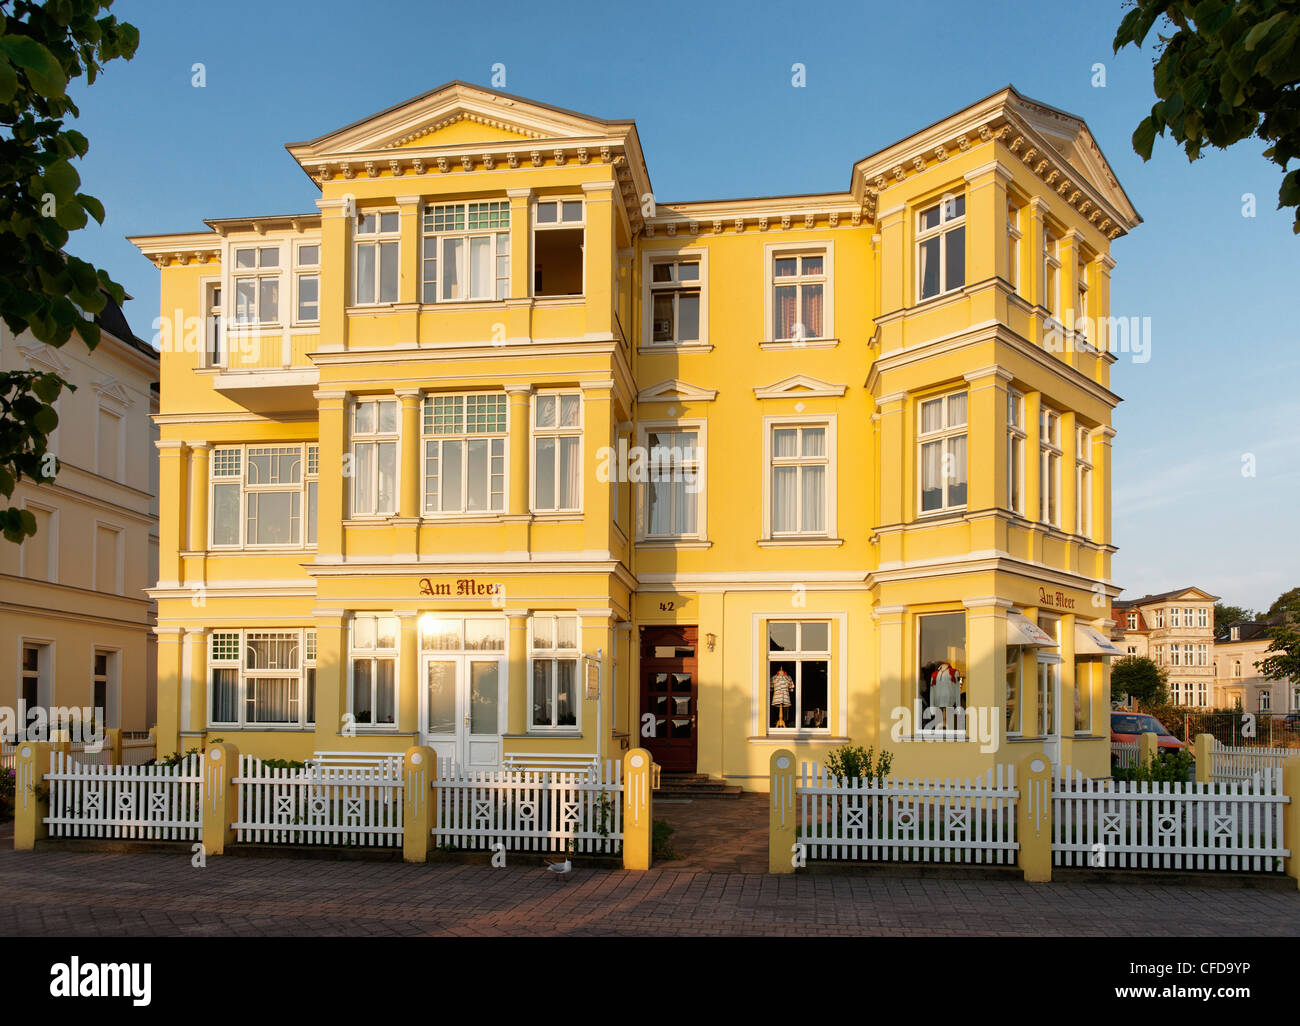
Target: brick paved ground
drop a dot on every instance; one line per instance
(147, 894)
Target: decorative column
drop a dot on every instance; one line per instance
(172, 532)
(419, 767)
(986, 662)
(782, 821)
(1032, 269)
(406, 322)
(220, 766)
(893, 263)
(895, 507)
(331, 675)
(332, 488)
(638, 809)
(1072, 264)
(408, 667)
(895, 689)
(194, 694)
(1101, 464)
(198, 520)
(406, 525)
(1034, 818)
(167, 736)
(517, 672)
(1069, 472)
(986, 432)
(598, 259)
(1033, 460)
(518, 515)
(986, 219)
(597, 495)
(519, 313)
(335, 276)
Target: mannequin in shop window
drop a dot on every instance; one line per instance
(944, 682)
(782, 690)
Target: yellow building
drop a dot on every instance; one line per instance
(76, 623)
(497, 453)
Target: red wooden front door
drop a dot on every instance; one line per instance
(670, 695)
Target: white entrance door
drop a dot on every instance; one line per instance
(1049, 706)
(462, 708)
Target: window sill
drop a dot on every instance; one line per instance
(797, 737)
(378, 308)
(462, 304)
(673, 349)
(252, 550)
(565, 300)
(948, 513)
(278, 728)
(566, 733)
(553, 517)
(673, 543)
(378, 520)
(800, 543)
(807, 343)
(943, 736)
(427, 519)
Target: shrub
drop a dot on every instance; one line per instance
(853, 761)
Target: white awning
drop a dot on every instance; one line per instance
(1023, 631)
(1090, 641)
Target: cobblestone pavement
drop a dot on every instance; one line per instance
(102, 894)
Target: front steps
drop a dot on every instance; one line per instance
(694, 785)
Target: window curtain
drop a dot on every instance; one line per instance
(225, 686)
(784, 311)
(385, 692)
(814, 499)
(785, 498)
(569, 471)
(957, 483)
(272, 699)
(566, 693)
(931, 475)
(812, 311)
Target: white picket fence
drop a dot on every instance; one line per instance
(1159, 825)
(900, 820)
(151, 803)
(1124, 754)
(1229, 764)
(529, 810)
(359, 805)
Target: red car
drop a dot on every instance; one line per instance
(1131, 727)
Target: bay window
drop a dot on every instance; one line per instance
(1016, 440)
(941, 247)
(553, 653)
(374, 457)
(557, 452)
(464, 453)
(256, 278)
(798, 675)
(942, 440)
(258, 494)
(466, 251)
(1049, 466)
(375, 258)
(373, 665)
(261, 678)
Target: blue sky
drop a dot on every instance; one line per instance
(710, 87)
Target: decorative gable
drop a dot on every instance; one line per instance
(800, 386)
(675, 390)
(111, 389)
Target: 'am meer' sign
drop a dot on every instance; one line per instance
(461, 587)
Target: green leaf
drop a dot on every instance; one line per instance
(61, 178)
(8, 81)
(47, 387)
(45, 420)
(1144, 138)
(92, 206)
(1261, 30)
(42, 67)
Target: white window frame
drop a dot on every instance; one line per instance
(45, 670)
(798, 656)
(555, 655)
(211, 291)
(1203, 617)
(650, 288)
(376, 438)
(557, 431)
(375, 655)
(775, 252)
(243, 675)
(830, 423)
(258, 273)
(1176, 617)
(1160, 618)
(1051, 277)
(1083, 483)
(1017, 444)
(310, 458)
(464, 436)
(377, 239)
(944, 436)
(1014, 236)
(558, 225)
(112, 678)
(432, 236)
(947, 224)
(1132, 621)
(302, 271)
(1050, 457)
(700, 465)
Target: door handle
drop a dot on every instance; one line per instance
(467, 719)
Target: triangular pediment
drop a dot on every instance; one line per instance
(42, 357)
(112, 390)
(800, 386)
(460, 115)
(674, 389)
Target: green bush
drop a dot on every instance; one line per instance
(853, 761)
(1170, 767)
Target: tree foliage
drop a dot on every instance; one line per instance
(1225, 616)
(1224, 72)
(1282, 659)
(1138, 677)
(44, 290)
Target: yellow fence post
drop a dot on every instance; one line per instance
(1148, 749)
(31, 793)
(418, 768)
(1034, 818)
(781, 821)
(1291, 816)
(113, 742)
(638, 822)
(1204, 766)
(220, 797)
